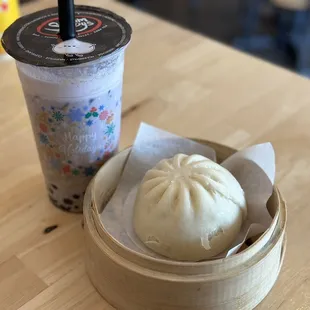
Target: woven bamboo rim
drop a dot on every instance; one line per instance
(252, 272)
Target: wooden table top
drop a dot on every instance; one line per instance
(181, 82)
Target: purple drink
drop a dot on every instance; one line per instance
(75, 104)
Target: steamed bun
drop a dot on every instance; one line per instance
(189, 208)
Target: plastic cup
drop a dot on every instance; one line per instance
(75, 111)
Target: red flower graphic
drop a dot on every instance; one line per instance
(93, 109)
(43, 127)
(66, 169)
(103, 115)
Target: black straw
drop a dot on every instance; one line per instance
(66, 16)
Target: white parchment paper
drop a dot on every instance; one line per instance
(253, 167)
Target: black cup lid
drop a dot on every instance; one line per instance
(34, 39)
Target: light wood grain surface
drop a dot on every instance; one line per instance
(181, 82)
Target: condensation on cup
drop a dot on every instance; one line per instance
(73, 91)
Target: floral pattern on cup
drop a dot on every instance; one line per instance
(53, 122)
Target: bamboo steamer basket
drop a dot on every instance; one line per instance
(132, 281)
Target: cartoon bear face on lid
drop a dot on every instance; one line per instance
(73, 46)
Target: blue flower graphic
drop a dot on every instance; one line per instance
(101, 108)
(89, 122)
(89, 171)
(110, 130)
(76, 115)
(43, 138)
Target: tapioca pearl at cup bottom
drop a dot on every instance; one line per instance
(65, 208)
(68, 201)
(52, 189)
(59, 205)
